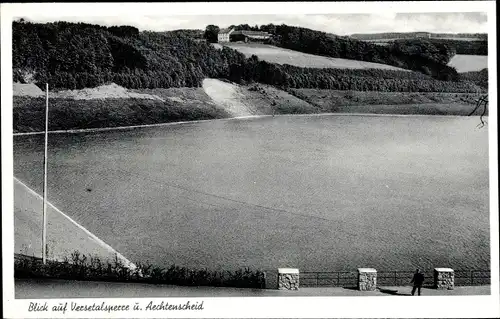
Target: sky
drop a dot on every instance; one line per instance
(341, 24)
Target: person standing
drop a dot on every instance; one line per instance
(417, 280)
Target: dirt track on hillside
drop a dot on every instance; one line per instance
(227, 95)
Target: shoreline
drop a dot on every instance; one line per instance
(130, 127)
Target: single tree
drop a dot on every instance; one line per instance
(211, 33)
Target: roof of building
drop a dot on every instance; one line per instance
(250, 33)
(225, 30)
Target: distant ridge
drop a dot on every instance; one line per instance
(411, 35)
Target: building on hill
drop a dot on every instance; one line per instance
(246, 36)
(224, 35)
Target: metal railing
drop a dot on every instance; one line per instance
(472, 277)
(329, 279)
(401, 278)
(390, 278)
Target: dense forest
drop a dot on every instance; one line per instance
(465, 47)
(70, 56)
(287, 76)
(456, 46)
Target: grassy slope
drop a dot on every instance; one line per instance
(388, 102)
(278, 55)
(184, 104)
(268, 100)
(72, 114)
(181, 104)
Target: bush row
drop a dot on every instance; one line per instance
(82, 267)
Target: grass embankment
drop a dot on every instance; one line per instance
(270, 100)
(29, 113)
(187, 104)
(81, 267)
(179, 104)
(255, 99)
(434, 103)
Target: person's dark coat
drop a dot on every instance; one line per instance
(418, 279)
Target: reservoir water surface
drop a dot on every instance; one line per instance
(320, 193)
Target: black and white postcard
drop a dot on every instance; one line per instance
(257, 160)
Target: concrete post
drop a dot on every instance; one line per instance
(367, 279)
(288, 279)
(444, 278)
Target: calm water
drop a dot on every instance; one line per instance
(315, 192)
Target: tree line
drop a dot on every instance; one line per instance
(288, 76)
(480, 78)
(465, 47)
(74, 56)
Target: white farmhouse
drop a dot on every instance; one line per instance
(224, 34)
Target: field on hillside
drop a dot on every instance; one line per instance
(278, 55)
(466, 63)
(321, 193)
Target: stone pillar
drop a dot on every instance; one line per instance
(367, 279)
(288, 279)
(444, 278)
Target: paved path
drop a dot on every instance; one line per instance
(30, 288)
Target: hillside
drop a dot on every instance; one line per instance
(278, 55)
(331, 101)
(89, 108)
(412, 35)
(480, 78)
(422, 56)
(461, 47)
(75, 56)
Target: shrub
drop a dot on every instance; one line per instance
(82, 267)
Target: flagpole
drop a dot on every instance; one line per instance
(44, 218)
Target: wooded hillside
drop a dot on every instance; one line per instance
(69, 55)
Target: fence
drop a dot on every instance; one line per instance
(390, 278)
(329, 279)
(472, 277)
